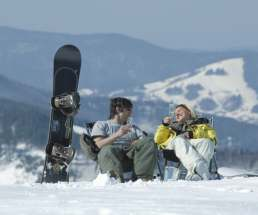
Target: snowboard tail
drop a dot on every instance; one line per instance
(65, 104)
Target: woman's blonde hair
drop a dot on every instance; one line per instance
(192, 113)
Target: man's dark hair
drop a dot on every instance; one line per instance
(119, 102)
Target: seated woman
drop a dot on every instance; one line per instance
(192, 139)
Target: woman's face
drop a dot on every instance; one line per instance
(182, 114)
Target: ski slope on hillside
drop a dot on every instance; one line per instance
(219, 88)
(227, 196)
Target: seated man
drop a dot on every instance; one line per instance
(192, 139)
(121, 143)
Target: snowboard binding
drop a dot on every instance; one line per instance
(54, 172)
(62, 155)
(57, 163)
(68, 104)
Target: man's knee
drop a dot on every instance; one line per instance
(146, 143)
(106, 152)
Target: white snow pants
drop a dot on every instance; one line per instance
(195, 154)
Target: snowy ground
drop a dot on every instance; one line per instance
(105, 197)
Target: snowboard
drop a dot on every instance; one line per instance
(65, 104)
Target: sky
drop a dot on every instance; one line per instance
(177, 24)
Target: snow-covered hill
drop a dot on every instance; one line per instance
(219, 88)
(225, 197)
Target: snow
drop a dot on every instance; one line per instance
(114, 93)
(21, 146)
(103, 180)
(10, 174)
(105, 197)
(87, 92)
(79, 130)
(230, 171)
(14, 170)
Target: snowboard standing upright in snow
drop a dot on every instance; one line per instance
(65, 104)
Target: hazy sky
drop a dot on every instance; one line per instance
(188, 24)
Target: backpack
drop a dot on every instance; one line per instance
(87, 143)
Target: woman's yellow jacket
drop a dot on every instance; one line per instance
(165, 134)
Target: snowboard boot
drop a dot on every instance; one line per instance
(202, 169)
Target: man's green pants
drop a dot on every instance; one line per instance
(139, 157)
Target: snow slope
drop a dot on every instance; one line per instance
(218, 88)
(231, 196)
(104, 196)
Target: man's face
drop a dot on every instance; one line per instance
(126, 113)
(182, 114)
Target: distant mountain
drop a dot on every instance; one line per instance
(13, 90)
(219, 88)
(109, 61)
(22, 123)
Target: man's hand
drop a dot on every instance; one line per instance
(102, 141)
(123, 130)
